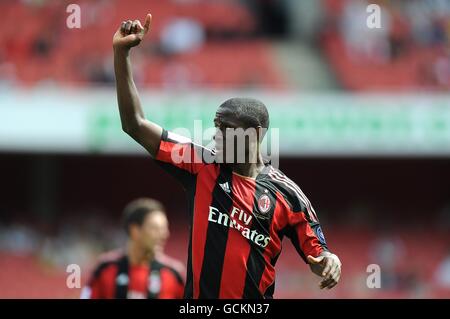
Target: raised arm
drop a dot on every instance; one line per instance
(146, 133)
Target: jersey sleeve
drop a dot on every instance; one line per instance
(99, 285)
(303, 227)
(181, 157)
(93, 289)
(173, 287)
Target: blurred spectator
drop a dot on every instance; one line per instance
(272, 17)
(407, 52)
(399, 35)
(442, 274)
(100, 70)
(362, 42)
(387, 252)
(7, 72)
(182, 35)
(42, 46)
(441, 69)
(179, 75)
(77, 240)
(19, 239)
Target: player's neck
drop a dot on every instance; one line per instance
(250, 170)
(137, 255)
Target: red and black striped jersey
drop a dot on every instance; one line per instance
(237, 223)
(115, 278)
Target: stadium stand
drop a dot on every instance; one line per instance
(227, 52)
(407, 276)
(409, 52)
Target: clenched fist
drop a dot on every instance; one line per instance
(131, 33)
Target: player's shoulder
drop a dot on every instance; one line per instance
(107, 259)
(291, 192)
(111, 256)
(172, 264)
(281, 182)
(280, 178)
(205, 153)
(169, 262)
(173, 137)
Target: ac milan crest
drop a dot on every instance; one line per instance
(264, 203)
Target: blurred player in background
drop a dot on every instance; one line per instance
(141, 271)
(240, 211)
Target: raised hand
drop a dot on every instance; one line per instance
(131, 33)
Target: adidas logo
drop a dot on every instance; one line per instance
(225, 187)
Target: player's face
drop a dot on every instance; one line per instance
(232, 132)
(154, 231)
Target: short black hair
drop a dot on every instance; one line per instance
(250, 111)
(136, 211)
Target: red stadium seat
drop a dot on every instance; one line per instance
(72, 51)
